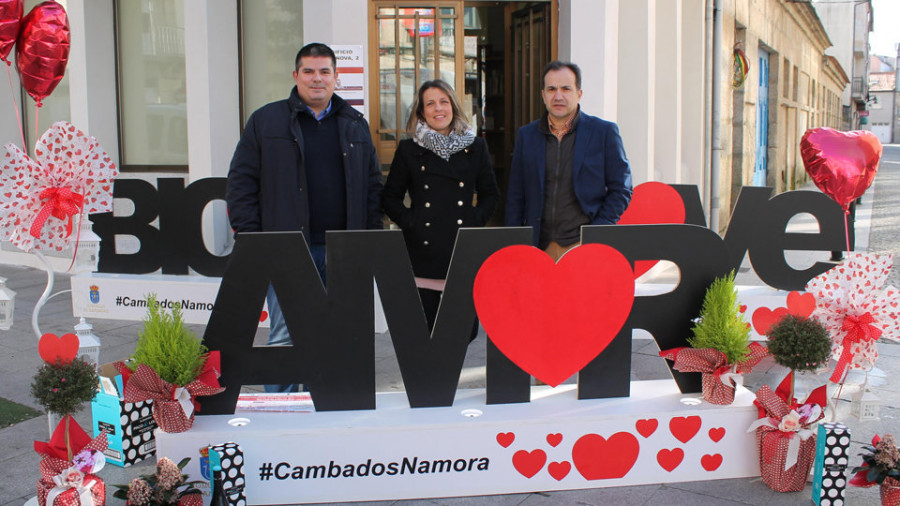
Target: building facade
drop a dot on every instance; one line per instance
(848, 25)
(166, 85)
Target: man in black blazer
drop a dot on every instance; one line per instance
(569, 168)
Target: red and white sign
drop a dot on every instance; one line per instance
(556, 442)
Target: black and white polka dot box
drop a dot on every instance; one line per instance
(830, 467)
(231, 458)
(129, 426)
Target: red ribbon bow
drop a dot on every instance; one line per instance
(60, 203)
(857, 329)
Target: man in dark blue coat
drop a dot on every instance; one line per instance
(305, 164)
(569, 169)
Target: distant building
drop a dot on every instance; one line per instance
(851, 48)
(882, 105)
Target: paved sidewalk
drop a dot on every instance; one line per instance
(878, 230)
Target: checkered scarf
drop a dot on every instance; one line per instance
(443, 145)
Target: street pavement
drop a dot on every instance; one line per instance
(878, 231)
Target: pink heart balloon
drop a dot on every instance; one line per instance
(841, 164)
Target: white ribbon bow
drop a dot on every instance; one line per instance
(793, 453)
(63, 486)
(183, 397)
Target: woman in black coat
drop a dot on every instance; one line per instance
(442, 167)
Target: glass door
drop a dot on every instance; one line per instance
(416, 42)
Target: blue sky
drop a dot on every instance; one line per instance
(887, 27)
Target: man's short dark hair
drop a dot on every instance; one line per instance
(315, 49)
(559, 65)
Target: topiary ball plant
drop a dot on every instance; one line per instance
(799, 343)
(63, 388)
(722, 326)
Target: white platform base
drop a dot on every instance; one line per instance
(556, 442)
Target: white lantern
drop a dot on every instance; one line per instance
(865, 405)
(88, 254)
(88, 343)
(7, 304)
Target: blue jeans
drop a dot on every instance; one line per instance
(278, 331)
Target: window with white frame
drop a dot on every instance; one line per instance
(271, 34)
(151, 85)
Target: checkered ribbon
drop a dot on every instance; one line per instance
(719, 377)
(173, 406)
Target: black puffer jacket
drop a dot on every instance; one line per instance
(267, 188)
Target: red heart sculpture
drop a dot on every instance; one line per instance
(552, 319)
(652, 203)
(717, 433)
(646, 427)
(505, 439)
(559, 470)
(554, 439)
(841, 164)
(63, 348)
(801, 304)
(711, 462)
(684, 428)
(529, 463)
(597, 458)
(670, 459)
(764, 318)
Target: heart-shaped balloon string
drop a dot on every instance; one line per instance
(841, 164)
(62, 349)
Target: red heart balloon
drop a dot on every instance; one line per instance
(10, 19)
(42, 49)
(552, 319)
(841, 164)
(652, 203)
(63, 348)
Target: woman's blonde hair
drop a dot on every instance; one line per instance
(459, 122)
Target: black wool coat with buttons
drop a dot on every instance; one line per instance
(441, 200)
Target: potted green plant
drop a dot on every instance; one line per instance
(167, 486)
(720, 345)
(171, 367)
(881, 466)
(801, 344)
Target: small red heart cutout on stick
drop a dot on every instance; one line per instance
(551, 319)
(63, 348)
(652, 203)
(763, 318)
(801, 304)
(841, 164)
